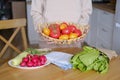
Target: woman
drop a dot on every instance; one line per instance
(77, 11)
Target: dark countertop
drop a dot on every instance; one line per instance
(105, 6)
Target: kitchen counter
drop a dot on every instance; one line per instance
(105, 6)
(52, 72)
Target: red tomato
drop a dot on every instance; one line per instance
(55, 34)
(72, 28)
(78, 32)
(54, 27)
(66, 31)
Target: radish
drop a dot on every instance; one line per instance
(23, 64)
(25, 59)
(29, 63)
(33, 60)
(43, 59)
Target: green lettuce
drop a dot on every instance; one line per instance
(90, 59)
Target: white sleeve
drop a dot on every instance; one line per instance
(37, 12)
(86, 6)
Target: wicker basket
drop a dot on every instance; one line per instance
(83, 28)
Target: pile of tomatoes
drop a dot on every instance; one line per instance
(62, 31)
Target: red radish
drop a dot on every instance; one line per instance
(23, 64)
(34, 60)
(43, 59)
(35, 56)
(29, 63)
(43, 62)
(25, 59)
(35, 64)
(39, 63)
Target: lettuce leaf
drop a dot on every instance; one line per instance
(90, 59)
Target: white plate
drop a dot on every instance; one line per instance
(10, 64)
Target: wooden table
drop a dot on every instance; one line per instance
(52, 72)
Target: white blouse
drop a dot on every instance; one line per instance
(77, 11)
